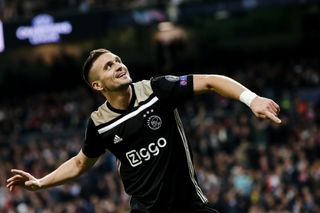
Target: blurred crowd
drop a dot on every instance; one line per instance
(15, 9)
(11, 10)
(243, 164)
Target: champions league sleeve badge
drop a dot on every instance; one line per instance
(183, 80)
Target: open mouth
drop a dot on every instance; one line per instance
(120, 74)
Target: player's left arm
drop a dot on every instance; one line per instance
(227, 87)
(69, 170)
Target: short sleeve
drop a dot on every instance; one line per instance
(92, 146)
(173, 88)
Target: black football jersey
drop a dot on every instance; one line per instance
(148, 139)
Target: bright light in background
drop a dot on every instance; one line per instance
(1, 37)
(43, 30)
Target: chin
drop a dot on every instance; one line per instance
(127, 79)
(125, 83)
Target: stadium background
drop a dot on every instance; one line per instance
(243, 164)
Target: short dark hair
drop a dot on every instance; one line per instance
(94, 54)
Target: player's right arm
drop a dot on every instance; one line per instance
(227, 87)
(68, 171)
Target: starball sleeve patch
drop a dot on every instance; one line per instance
(183, 80)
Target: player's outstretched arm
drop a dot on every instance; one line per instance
(69, 170)
(225, 86)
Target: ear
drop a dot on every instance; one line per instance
(96, 85)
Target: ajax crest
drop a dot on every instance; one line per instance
(154, 122)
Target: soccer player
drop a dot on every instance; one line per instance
(139, 123)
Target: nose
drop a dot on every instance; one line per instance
(118, 67)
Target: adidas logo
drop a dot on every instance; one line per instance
(117, 139)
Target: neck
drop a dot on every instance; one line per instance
(120, 99)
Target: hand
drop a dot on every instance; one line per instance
(23, 179)
(265, 108)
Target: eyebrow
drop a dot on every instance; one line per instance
(111, 61)
(107, 64)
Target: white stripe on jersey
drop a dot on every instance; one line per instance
(128, 116)
(119, 165)
(191, 169)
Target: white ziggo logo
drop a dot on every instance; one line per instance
(144, 154)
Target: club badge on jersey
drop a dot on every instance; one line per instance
(154, 122)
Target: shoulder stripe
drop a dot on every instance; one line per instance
(128, 116)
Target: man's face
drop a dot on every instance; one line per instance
(109, 73)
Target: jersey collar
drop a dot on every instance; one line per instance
(131, 105)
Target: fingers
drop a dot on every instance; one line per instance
(14, 183)
(266, 108)
(15, 180)
(272, 117)
(31, 182)
(19, 178)
(261, 116)
(272, 111)
(274, 107)
(32, 185)
(20, 172)
(15, 177)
